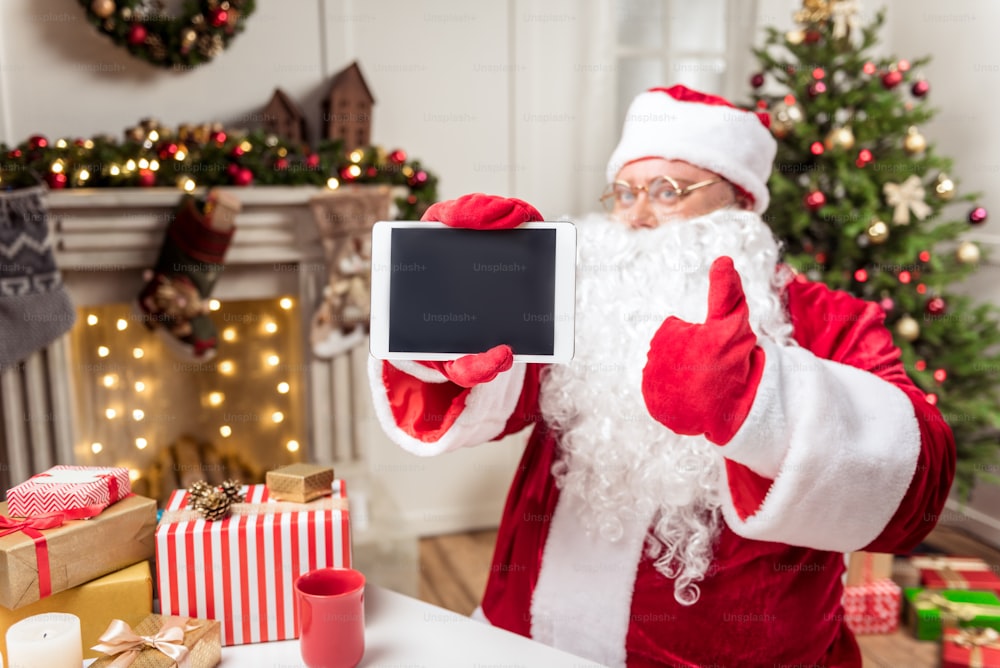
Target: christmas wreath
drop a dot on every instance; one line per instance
(202, 31)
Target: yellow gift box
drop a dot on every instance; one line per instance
(126, 594)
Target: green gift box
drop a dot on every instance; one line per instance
(930, 610)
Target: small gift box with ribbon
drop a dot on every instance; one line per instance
(241, 570)
(865, 567)
(938, 572)
(50, 553)
(300, 483)
(930, 611)
(161, 642)
(970, 648)
(872, 607)
(68, 488)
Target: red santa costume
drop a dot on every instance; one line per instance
(724, 433)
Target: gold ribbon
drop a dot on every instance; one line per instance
(975, 640)
(954, 610)
(269, 508)
(952, 578)
(906, 197)
(119, 638)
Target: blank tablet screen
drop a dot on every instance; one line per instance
(457, 290)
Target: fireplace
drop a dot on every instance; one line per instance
(112, 393)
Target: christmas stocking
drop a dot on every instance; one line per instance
(34, 307)
(175, 297)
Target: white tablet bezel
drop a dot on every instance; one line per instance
(565, 293)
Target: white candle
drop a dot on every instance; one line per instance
(51, 640)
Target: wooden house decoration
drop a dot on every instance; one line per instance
(347, 109)
(282, 117)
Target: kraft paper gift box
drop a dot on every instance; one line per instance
(970, 648)
(956, 573)
(126, 594)
(241, 570)
(201, 640)
(300, 483)
(67, 488)
(38, 562)
(929, 611)
(872, 607)
(864, 567)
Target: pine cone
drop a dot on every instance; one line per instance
(233, 491)
(214, 506)
(198, 490)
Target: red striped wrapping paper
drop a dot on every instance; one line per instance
(873, 607)
(240, 571)
(63, 488)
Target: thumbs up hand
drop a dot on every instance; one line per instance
(702, 378)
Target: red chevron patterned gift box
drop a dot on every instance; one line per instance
(240, 571)
(65, 488)
(873, 607)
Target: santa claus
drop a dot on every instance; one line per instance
(724, 434)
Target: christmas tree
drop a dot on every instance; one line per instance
(862, 202)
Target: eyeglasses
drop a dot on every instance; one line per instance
(662, 191)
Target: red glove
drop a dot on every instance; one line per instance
(482, 212)
(702, 378)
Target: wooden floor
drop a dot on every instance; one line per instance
(454, 568)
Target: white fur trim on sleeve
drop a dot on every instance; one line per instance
(840, 444)
(582, 602)
(487, 409)
(419, 371)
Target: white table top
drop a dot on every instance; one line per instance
(403, 632)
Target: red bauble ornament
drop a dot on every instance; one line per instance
(56, 180)
(905, 277)
(242, 177)
(816, 148)
(420, 177)
(346, 175)
(920, 365)
(818, 73)
(167, 151)
(816, 88)
(892, 79)
(397, 157)
(865, 156)
(903, 65)
(931, 399)
(925, 256)
(935, 306)
(36, 142)
(16, 153)
(940, 375)
(147, 178)
(219, 137)
(312, 160)
(757, 80)
(920, 88)
(814, 200)
(281, 163)
(861, 276)
(921, 289)
(887, 304)
(411, 199)
(218, 17)
(137, 34)
(869, 68)
(978, 215)
(813, 36)
(237, 150)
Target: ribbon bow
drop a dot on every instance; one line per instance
(975, 640)
(845, 17)
(119, 638)
(905, 197)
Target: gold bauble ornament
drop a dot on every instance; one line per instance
(841, 138)
(878, 232)
(795, 37)
(103, 8)
(967, 253)
(908, 328)
(914, 142)
(784, 118)
(944, 188)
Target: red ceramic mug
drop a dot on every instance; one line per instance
(331, 605)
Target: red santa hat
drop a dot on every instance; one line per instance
(678, 123)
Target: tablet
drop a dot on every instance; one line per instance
(440, 292)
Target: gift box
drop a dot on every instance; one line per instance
(937, 572)
(199, 638)
(46, 555)
(125, 594)
(241, 570)
(68, 488)
(929, 611)
(970, 648)
(300, 483)
(872, 607)
(865, 567)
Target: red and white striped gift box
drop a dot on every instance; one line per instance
(63, 488)
(873, 607)
(241, 570)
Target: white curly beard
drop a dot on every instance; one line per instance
(614, 456)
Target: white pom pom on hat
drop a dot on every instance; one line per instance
(707, 131)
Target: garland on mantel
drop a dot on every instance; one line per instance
(210, 155)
